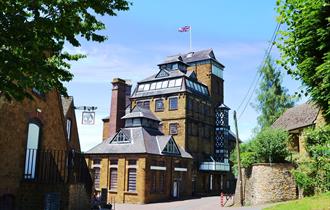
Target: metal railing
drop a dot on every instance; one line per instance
(56, 167)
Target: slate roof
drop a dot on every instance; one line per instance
(142, 141)
(192, 57)
(141, 112)
(296, 117)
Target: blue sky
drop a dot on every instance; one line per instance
(237, 30)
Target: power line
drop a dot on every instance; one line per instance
(269, 48)
(266, 55)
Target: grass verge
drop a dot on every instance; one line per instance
(320, 202)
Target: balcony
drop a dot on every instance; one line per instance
(56, 167)
(214, 166)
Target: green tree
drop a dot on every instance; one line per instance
(32, 37)
(272, 98)
(305, 46)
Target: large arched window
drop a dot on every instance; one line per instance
(32, 146)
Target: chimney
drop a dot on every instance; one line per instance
(121, 91)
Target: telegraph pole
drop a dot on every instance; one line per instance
(238, 163)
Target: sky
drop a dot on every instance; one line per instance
(238, 31)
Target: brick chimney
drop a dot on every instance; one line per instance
(121, 91)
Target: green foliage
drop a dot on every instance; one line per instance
(269, 146)
(313, 172)
(272, 99)
(305, 46)
(32, 38)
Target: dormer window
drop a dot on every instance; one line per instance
(120, 138)
(171, 148)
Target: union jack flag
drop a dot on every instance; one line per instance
(184, 29)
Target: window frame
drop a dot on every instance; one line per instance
(156, 107)
(176, 128)
(170, 105)
(69, 130)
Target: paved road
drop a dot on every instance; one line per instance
(206, 203)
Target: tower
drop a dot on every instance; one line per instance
(221, 134)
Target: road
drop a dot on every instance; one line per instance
(205, 203)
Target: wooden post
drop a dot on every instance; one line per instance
(238, 162)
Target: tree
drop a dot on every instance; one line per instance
(272, 99)
(305, 46)
(32, 37)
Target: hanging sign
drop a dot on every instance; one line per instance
(88, 118)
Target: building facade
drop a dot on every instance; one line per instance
(39, 148)
(139, 163)
(187, 95)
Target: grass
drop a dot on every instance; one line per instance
(321, 202)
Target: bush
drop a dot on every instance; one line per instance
(271, 145)
(268, 146)
(313, 172)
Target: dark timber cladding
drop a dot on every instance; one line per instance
(186, 94)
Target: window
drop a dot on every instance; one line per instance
(153, 86)
(131, 180)
(139, 103)
(113, 174)
(32, 145)
(171, 83)
(146, 104)
(120, 138)
(97, 177)
(68, 128)
(164, 84)
(173, 103)
(113, 178)
(146, 87)
(158, 85)
(178, 82)
(171, 148)
(173, 128)
(161, 181)
(153, 181)
(136, 122)
(141, 87)
(189, 104)
(159, 105)
(96, 161)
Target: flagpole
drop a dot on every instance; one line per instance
(190, 42)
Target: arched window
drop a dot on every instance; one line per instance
(32, 146)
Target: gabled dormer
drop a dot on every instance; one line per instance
(120, 138)
(173, 63)
(171, 148)
(162, 73)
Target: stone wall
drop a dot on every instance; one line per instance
(265, 183)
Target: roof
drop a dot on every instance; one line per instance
(296, 117)
(66, 103)
(142, 113)
(142, 140)
(171, 74)
(176, 74)
(192, 57)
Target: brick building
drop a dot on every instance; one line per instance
(186, 94)
(39, 151)
(139, 162)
